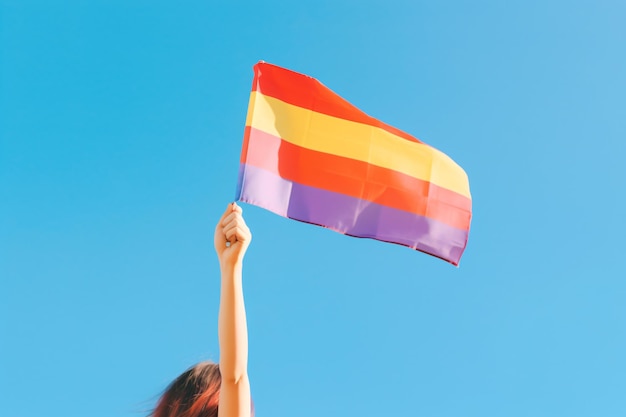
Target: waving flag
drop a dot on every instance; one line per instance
(311, 156)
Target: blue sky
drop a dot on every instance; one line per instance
(120, 131)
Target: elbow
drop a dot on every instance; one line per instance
(233, 377)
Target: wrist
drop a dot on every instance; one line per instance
(231, 267)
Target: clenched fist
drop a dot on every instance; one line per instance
(232, 236)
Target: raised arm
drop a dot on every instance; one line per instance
(232, 238)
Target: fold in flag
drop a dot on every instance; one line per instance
(311, 156)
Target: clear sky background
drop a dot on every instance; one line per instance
(121, 125)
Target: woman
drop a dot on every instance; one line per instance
(208, 389)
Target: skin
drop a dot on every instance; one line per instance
(232, 238)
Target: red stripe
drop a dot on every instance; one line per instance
(306, 92)
(355, 178)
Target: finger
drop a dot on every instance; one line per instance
(231, 236)
(229, 218)
(237, 233)
(229, 210)
(232, 220)
(233, 216)
(237, 208)
(238, 228)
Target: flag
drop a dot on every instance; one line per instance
(310, 155)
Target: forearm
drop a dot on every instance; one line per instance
(233, 331)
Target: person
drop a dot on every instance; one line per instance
(208, 389)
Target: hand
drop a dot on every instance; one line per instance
(232, 236)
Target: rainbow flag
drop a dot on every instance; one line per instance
(309, 155)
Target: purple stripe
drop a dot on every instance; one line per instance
(349, 215)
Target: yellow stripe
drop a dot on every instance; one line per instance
(323, 133)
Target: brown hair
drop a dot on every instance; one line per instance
(195, 393)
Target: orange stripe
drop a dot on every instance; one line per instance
(355, 178)
(307, 92)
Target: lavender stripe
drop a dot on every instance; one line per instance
(349, 215)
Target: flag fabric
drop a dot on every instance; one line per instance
(309, 155)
